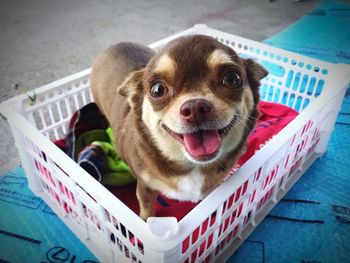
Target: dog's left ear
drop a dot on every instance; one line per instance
(254, 69)
(131, 84)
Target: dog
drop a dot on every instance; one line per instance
(180, 116)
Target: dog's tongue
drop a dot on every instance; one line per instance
(202, 143)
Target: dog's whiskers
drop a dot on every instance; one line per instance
(222, 166)
(138, 110)
(247, 131)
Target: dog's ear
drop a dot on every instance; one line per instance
(131, 84)
(254, 69)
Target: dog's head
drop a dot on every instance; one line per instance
(197, 97)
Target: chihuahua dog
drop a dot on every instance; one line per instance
(180, 116)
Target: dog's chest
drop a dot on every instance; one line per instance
(189, 187)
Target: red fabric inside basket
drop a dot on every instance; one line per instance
(273, 118)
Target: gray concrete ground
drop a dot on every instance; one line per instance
(42, 41)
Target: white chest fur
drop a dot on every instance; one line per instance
(189, 188)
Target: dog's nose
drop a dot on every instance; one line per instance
(194, 111)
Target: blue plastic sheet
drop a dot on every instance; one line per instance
(30, 231)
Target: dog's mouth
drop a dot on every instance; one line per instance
(202, 145)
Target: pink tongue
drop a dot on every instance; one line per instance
(202, 142)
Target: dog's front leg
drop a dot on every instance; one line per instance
(146, 198)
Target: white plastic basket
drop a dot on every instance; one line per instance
(216, 227)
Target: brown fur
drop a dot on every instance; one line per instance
(121, 79)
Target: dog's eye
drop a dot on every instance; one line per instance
(232, 80)
(158, 90)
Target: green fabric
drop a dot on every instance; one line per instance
(88, 138)
(119, 173)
